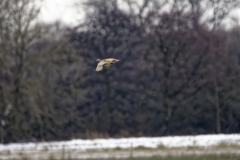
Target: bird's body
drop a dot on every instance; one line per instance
(105, 63)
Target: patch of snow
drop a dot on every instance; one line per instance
(149, 142)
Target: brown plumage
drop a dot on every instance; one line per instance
(105, 62)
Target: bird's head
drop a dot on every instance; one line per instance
(98, 60)
(115, 60)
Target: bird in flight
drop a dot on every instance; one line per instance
(105, 63)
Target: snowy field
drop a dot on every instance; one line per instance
(123, 147)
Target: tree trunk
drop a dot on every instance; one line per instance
(217, 106)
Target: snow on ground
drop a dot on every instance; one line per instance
(83, 145)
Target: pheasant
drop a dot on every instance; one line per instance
(105, 63)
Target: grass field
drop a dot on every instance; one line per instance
(192, 157)
(184, 157)
(208, 147)
(216, 153)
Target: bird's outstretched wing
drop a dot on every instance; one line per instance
(100, 66)
(112, 60)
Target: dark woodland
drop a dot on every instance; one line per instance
(178, 72)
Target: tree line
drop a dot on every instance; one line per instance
(178, 72)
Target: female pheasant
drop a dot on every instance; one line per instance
(105, 63)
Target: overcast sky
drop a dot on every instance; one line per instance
(63, 10)
(66, 11)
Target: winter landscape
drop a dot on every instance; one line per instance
(125, 147)
(120, 79)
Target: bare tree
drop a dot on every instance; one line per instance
(220, 10)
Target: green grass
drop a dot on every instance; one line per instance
(192, 157)
(210, 153)
(184, 157)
